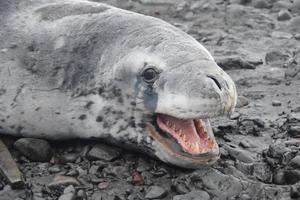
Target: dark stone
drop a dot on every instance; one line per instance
(155, 192)
(103, 152)
(36, 150)
(295, 161)
(227, 63)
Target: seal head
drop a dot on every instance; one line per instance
(175, 86)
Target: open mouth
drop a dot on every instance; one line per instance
(192, 138)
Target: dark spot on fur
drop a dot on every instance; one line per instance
(19, 129)
(101, 90)
(2, 120)
(133, 103)
(58, 113)
(22, 113)
(89, 104)
(120, 100)
(12, 126)
(7, 117)
(105, 125)
(99, 119)
(73, 117)
(132, 124)
(82, 117)
(37, 109)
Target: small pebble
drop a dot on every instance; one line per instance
(61, 180)
(155, 192)
(276, 103)
(137, 179)
(235, 116)
(103, 185)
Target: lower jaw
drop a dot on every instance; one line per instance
(171, 152)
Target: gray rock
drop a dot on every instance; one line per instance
(155, 192)
(234, 62)
(194, 195)
(276, 57)
(295, 161)
(294, 131)
(36, 150)
(68, 157)
(68, 196)
(277, 150)
(54, 169)
(93, 169)
(81, 195)
(247, 144)
(284, 15)
(247, 126)
(287, 177)
(295, 191)
(242, 101)
(239, 154)
(261, 4)
(276, 103)
(294, 25)
(297, 36)
(69, 189)
(221, 185)
(281, 4)
(103, 152)
(61, 180)
(281, 35)
(235, 115)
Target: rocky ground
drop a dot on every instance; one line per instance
(258, 43)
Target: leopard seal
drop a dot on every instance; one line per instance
(81, 69)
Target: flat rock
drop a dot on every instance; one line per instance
(234, 62)
(194, 195)
(276, 103)
(103, 152)
(155, 192)
(261, 4)
(9, 168)
(239, 154)
(276, 57)
(62, 181)
(36, 150)
(242, 101)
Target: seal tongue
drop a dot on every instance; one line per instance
(184, 131)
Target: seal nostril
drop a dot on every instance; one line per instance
(216, 81)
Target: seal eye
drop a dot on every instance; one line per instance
(149, 75)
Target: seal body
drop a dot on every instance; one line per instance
(80, 69)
